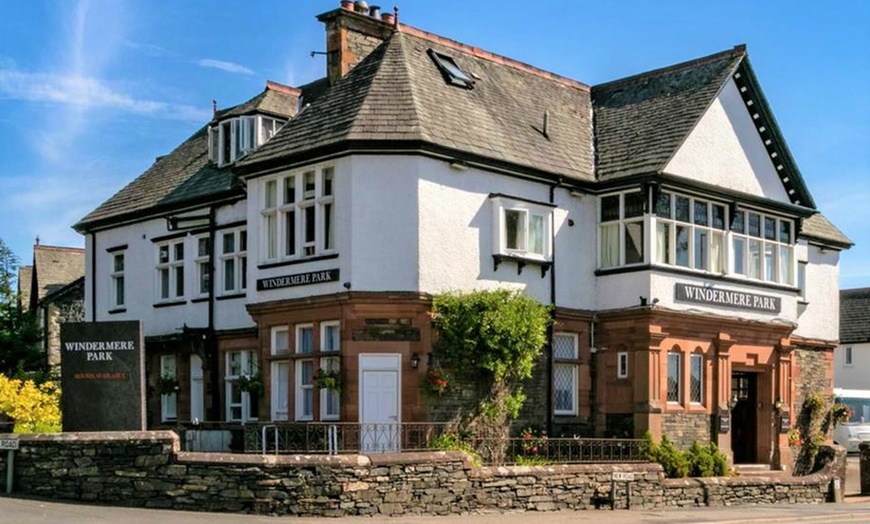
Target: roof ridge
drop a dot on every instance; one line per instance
(490, 56)
(856, 290)
(737, 51)
(59, 248)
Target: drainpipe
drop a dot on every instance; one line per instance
(211, 346)
(552, 316)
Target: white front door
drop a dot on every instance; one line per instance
(379, 403)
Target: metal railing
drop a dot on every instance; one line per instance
(573, 450)
(341, 437)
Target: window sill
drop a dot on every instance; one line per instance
(230, 297)
(695, 273)
(564, 413)
(116, 311)
(802, 302)
(298, 261)
(170, 304)
(199, 300)
(498, 258)
(675, 407)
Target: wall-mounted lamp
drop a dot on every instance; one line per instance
(415, 360)
(777, 405)
(734, 400)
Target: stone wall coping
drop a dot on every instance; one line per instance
(755, 480)
(564, 469)
(96, 436)
(248, 459)
(421, 457)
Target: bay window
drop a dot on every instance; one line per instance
(522, 228)
(299, 215)
(690, 233)
(621, 230)
(232, 138)
(763, 247)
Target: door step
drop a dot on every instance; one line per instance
(757, 470)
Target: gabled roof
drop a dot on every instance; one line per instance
(855, 316)
(186, 175)
(53, 268)
(398, 96)
(820, 229)
(73, 291)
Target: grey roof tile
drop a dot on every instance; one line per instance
(54, 267)
(817, 227)
(855, 316)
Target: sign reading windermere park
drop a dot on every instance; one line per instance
(727, 298)
(102, 376)
(299, 279)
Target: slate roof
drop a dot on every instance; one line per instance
(817, 227)
(186, 174)
(855, 316)
(397, 93)
(642, 120)
(53, 268)
(276, 99)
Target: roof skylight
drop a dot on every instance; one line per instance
(452, 72)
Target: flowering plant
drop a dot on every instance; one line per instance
(437, 382)
(533, 444)
(328, 379)
(794, 438)
(840, 413)
(168, 384)
(253, 384)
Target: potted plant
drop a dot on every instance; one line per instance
(167, 385)
(840, 413)
(328, 379)
(253, 384)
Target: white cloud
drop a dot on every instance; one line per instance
(229, 67)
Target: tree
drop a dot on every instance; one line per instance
(20, 336)
(491, 339)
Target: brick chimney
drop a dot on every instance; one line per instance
(351, 34)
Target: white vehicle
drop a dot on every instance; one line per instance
(857, 430)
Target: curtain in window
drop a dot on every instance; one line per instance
(663, 243)
(717, 253)
(536, 234)
(610, 245)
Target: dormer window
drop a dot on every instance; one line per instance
(453, 74)
(233, 138)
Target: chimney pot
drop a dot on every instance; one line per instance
(347, 4)
(375, 11)
(388, 18)
(360, 6)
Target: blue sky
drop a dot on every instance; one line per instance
(92, 91)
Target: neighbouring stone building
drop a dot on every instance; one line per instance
(692, 278)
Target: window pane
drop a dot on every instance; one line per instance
(119, 291)
(785, 231)
(696, 390)
(536, 234)
(271, 236)
(226, 138)
(229, 274)
(243, 240)
(307, 372)
(333, 403)
(700, 215)
(203, 278)
(737, 224)
(290, 233)
(717, 252)
(609, 245)
(718, 216)
(769, 262)
(683, 246)
(702, 258)
(673, 377)
(309, 224)
(331, 341)
(663, 243)
(610, 208)
(178, 251)
(754, 225)
(514, 229)
(307, 402)
(563, 387)
(634, 204)
(739, 255)
(769, 228)
(328, 174)
(328, 226)
(681, 209)
(164, 254)
(564, 347)
(785, 265)
(755, 259)
(802, 279)
(202, 249)
(290, 190)
(164, 282)
(663, 206)
(305, 343)
(119, 263)
(308, 187)
(244, 271)
(634, 243)
(271, 193)
(179, 281)
(234, 363)
(250, 128)
(282, 341)
(229, 242)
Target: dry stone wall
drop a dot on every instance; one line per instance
(147, 469)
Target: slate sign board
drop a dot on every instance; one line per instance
(299, 279)
(727, 298)
(102, 376)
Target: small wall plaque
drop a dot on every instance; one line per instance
(724, 422)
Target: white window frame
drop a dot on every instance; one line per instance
(694, 357)
(249, 365)
(239, 259)
(201, 263)
(713, 265)
(501, 206)
(321, 200)
(279, 365)
(621, 223)
(622, 364)
(848, 356)
(244, 133)
(171, 266)
(117, 292)
(330, 363)
(300, 388)
(779, 249)
(169, 401)
(574, 367)
(679, 400)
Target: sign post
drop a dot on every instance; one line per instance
(9, 444)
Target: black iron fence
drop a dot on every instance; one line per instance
(349, 437)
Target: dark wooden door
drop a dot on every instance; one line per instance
(744, 417)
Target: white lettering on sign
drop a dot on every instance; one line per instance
(726, 298)
(621, 476)
(9, 443)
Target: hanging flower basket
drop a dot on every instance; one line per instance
(252, 384)
(437, 382)
(840, 413)
(327, 379)
(167, 385)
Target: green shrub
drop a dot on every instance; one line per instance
(700, 460)
(452, 441)
(673, 460)
(720, 462)
(532, 461)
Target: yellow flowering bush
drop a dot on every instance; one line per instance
(34, 408)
